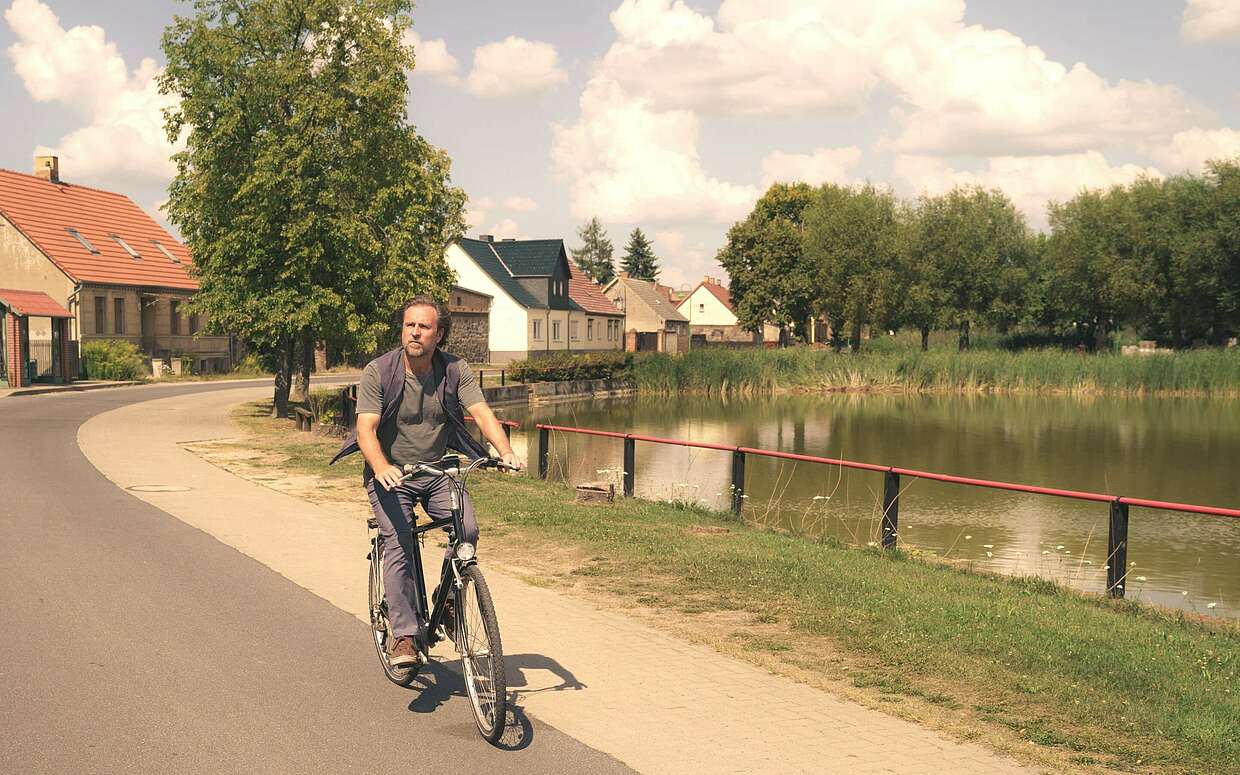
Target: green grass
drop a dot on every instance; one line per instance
(1098, 681)
(1197, 372)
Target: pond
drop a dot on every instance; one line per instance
(1171, 449)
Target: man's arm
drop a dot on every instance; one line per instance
(493, 432)
(368, 442)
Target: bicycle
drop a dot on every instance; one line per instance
(462, 610)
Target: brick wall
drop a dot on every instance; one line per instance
(68, 353)
(469, 336)
(13, 338)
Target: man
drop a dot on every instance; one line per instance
(409, 411)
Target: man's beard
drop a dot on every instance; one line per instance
(417, 349)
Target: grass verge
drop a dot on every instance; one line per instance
(1080, 683)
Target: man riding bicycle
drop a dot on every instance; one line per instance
(409, 410)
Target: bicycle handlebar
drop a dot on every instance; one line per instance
(454, 466)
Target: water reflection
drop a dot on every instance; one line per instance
(1174, 449)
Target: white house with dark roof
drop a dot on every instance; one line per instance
(538, 304)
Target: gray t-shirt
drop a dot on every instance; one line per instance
(420, 431)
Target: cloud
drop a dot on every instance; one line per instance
(626, 162)
(960, 88)
(513, 67)
(474, 218)
(1029, 181)
(123, 137)
(682, 263)
(521, 204)
(1189, 151)
(824, 165)
(506, 229)
(1211, 20)
(431, 57)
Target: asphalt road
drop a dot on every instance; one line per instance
(132, 642)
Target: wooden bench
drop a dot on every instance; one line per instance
(304, 418)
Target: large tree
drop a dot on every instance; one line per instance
(310, 204)
(768, 278)
(1094, 282)
(595, 254)
(639, 259)
(979, 244)
(853, 242)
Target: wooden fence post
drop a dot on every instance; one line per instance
(630, 463)
(738, 481)
(1117, 549)
(544, 444)
(891, 509)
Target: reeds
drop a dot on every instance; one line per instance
(756, 371)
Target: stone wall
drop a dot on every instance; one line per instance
(469, 336)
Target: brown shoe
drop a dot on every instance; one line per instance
(403, 653)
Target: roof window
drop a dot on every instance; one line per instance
(160, 246)
(77, 235)
(135, 255)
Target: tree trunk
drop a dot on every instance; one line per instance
(307, 364)
(284, 376)
(925, 338)
(856, 336)
(964, 335)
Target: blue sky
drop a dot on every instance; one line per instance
(674, 117)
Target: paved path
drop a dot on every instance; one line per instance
(132, 642)
(655, 703)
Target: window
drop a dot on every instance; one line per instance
(101, 314)
(118, 317)
(701, 308)
(85, 242)
(176, 318)
(590, 329)
(167, 253)
(194, 324)
(555, 330)
(125, 246)
(572, 330)
(538, 329)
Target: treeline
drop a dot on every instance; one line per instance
(1159, 256)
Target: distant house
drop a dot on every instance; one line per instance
(537, 306)
(652, 323)
(99, 267)
(712, 317)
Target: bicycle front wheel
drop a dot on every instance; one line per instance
(482, 655)
(380, 626)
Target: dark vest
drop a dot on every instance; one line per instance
(392, 377)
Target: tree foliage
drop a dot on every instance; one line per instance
(770, 280)
(639, 259)
(309, 202)
(595, 254)
(852, 241)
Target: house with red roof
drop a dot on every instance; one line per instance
(712, 317)
(78, 263)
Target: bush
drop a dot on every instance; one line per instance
(564, 366)
(112, 359)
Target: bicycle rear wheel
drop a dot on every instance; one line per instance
(482, 655)
(380, 626)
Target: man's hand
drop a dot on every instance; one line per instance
(390, 476)
(513, 461)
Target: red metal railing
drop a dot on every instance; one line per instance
(1117, 543)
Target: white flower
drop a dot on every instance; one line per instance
(1057, 548)
(988, 546)
(1045, 551)
(988, 554)
(1140, 578)
(872, 543)
(1088, 562)
(968, 538)
(1184, 593)
(1212, 605)
(820, 497)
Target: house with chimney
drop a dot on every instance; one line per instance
(79, 263)
(712, 317)
(652, 322)
(540, 301)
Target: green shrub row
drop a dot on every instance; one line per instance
(563, 366)
(112, 359)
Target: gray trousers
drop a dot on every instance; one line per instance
(394, 510)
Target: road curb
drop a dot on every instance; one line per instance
(38, 391)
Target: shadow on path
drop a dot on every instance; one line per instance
(439, 682)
